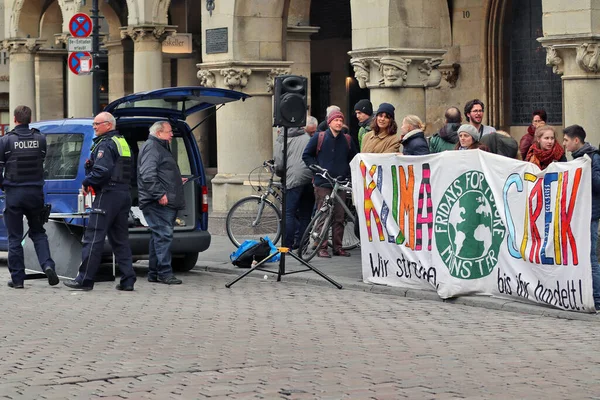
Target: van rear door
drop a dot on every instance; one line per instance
(172, 103)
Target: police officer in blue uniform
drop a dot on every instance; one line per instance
(108, 172)
(22, 154)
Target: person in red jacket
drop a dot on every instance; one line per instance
(539, 118)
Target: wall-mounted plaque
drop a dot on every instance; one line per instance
(216, 41)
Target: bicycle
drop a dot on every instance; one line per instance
(318, 229)
(257, 216)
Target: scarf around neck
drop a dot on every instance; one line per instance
(543, 158)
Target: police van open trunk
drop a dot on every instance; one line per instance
(69, 142)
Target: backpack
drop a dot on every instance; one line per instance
(322, 138)
(252, 250)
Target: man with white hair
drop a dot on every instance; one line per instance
(300, 194)
(311, 125)
(160, 193)
(108, 173)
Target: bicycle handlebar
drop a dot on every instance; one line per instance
(342, 183)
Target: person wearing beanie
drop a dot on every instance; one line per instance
(388, 109)
(364, 115)
(468, 138)
(382, 138)
(332, 150)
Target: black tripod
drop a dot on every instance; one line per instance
(283, 250)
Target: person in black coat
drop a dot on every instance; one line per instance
(160, 192)
(413, 138)
(22, 154)
(108, 172)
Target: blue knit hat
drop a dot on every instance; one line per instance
(386, 108)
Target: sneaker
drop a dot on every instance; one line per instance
(73, 284)
(14, 285)
(323, 253)
(170, 280)
(341, 253)
(125, 288)
(152, 279)
(52, 277)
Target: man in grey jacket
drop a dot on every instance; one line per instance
(160, 191)
(300, 197)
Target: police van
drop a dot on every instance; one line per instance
(68, 147)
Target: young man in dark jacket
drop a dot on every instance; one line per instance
(22, 154)
(335, 155)
(574, 141)
(160, 191)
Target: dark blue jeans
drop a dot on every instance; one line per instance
(298, 210)
(595, 265)
(28, 201)
(160, 220)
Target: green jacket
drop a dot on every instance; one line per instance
(365, 127)
(445, 139)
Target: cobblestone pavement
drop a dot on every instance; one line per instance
(269, 340)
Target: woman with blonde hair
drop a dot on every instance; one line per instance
(412, 136)
(545, 148)
(382, 137)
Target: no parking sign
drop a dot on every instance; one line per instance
(80, 25)
(80, 63)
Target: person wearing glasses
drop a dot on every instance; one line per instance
(108, 171)
(538, 118)
(22, 154)
(160, 194)
(474, 115)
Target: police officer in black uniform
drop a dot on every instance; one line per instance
(22, 154)
(108, 172)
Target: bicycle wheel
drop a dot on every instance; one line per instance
(350, 240)
(252, 218)
(316, 233)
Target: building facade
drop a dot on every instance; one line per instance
(421, 56)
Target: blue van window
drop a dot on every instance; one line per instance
(180, 153)
(63, 154)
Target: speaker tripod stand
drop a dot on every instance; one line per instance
(283, 251)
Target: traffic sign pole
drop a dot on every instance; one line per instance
(95, 58)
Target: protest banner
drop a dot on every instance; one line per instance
(471, 222)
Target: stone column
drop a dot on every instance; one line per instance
(572, 42)
(147, 54)
(398, 76)
(116, 66)
(187, 76)
(298, 51)
(79, 89)
(49, 83)
(245, 137)
(22, 73)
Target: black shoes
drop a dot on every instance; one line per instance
(167, 281)
(52, 277)
(76, 285)
(125, 288)
(14, 285)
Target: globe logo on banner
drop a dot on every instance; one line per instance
(469, 230)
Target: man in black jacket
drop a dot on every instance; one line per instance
(108, 172)
(160, 192)
(22, 154)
